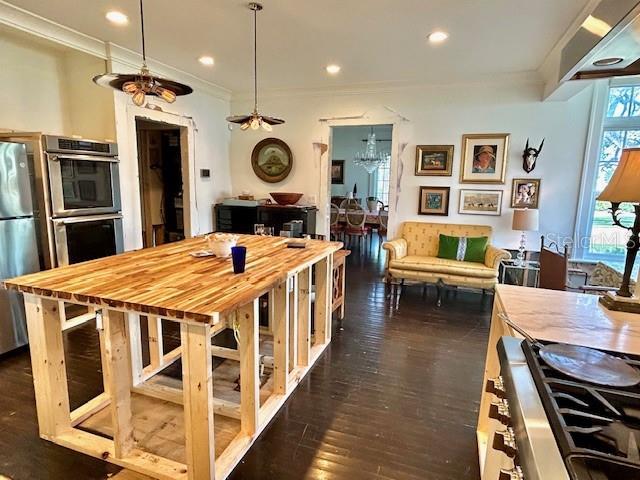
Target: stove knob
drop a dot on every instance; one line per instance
(505, 441)
(513, 474)
(499, 410)
(496, 386)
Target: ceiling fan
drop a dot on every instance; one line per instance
(141, 84)
(255, 120)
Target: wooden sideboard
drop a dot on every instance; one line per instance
(240, 219)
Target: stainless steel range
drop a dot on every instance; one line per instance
(555, 427)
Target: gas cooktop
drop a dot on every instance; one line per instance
(597, 428)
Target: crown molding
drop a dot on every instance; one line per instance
(41, 27)
(515, 78)
(33, 24)
(133, 61)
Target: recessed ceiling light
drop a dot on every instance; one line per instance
(333, 69)
(607, 62)
(207, 60)
(438, 36)
(116, 17)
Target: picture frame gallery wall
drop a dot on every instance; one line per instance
(483, 161)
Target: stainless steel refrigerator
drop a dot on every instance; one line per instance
(19, 252)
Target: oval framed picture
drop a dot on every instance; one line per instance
(272, 160)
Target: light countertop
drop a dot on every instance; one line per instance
(569, 317)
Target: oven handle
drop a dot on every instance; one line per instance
(90, 218)
(55, 157)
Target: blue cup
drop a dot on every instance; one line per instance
(239, 258)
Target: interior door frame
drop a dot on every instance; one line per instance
(325, 166)
(133, 213)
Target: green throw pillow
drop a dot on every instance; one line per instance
(469, 249)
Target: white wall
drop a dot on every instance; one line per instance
(31, 83)
(345, 144)
(204, 115)
(47, 88)
(438, 115)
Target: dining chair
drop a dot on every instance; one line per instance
(336, 228)
(356, 220)
(383, 220)
(554, 266)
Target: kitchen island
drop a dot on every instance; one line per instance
(549, 316)
(192, 427)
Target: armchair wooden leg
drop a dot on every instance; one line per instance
(439, 289)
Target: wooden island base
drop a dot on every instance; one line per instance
(199, 426)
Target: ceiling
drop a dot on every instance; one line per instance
(373, 40)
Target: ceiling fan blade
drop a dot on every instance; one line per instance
(272, 120)
(239, 118)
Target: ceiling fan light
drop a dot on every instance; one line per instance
(255, 123)
(138, 98)
(245, 126)
(131, 87)
(166, 94)
(266, 127)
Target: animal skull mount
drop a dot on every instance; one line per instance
(530, 156)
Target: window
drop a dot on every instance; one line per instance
(382, 181)
(620, 129)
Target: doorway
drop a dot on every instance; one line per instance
(351, 179)
(161, 163)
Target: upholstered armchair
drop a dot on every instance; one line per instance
(414, 256)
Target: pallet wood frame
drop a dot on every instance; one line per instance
(124, 373)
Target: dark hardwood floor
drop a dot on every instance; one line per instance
(395, 396)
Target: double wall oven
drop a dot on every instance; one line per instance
(84, 187)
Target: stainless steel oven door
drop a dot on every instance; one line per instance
(83, 184)
(79, 239)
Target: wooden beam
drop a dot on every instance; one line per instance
(175, 395)
(280, 325)
(156, 350)
(137, 460)
(248, 316)
(304, 316)
(322, 311)
(293, 322)
(94, 405)
(167, 359)
(197, 379)
(224, 352)
(117, 370)
(48, 366)
(135, 345)
(77, 320)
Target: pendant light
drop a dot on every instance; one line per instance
(254, 120)
(143, 83)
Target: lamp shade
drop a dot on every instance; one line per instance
(624, 185)
(525, 220)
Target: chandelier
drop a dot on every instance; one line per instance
(370, 159)
(143, 83)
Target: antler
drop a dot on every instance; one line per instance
(540, 148)
(527, 147)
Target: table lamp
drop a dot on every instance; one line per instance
(624, 186)
(524, 221)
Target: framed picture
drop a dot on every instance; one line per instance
(481, 202)
(337, 172)
(525, 193)
(484, 158)
(272, 160)
(434, 201)
(435, 160)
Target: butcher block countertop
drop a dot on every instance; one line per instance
(569, 317)
(167, 281)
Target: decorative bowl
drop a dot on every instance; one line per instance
(283, 198)
(220, 243)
